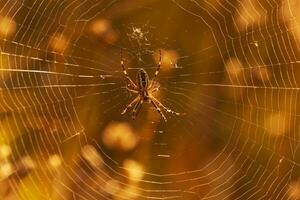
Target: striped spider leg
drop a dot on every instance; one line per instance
(144, 91)
(131, 82)
(131, 87)
(153, 81)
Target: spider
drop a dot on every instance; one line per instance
(144, 88)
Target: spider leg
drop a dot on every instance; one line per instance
(157, 69)
(132, 90)
(158, 109)
(153, 90)
(125, 71)
(137, 108)
(164, 107)
(131, 104)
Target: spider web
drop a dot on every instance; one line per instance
(230, 66)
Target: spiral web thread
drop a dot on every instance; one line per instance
(50, 67)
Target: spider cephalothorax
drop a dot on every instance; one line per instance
(144, 88)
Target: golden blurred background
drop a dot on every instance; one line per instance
(229, 66)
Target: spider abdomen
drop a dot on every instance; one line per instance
(142, 80)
